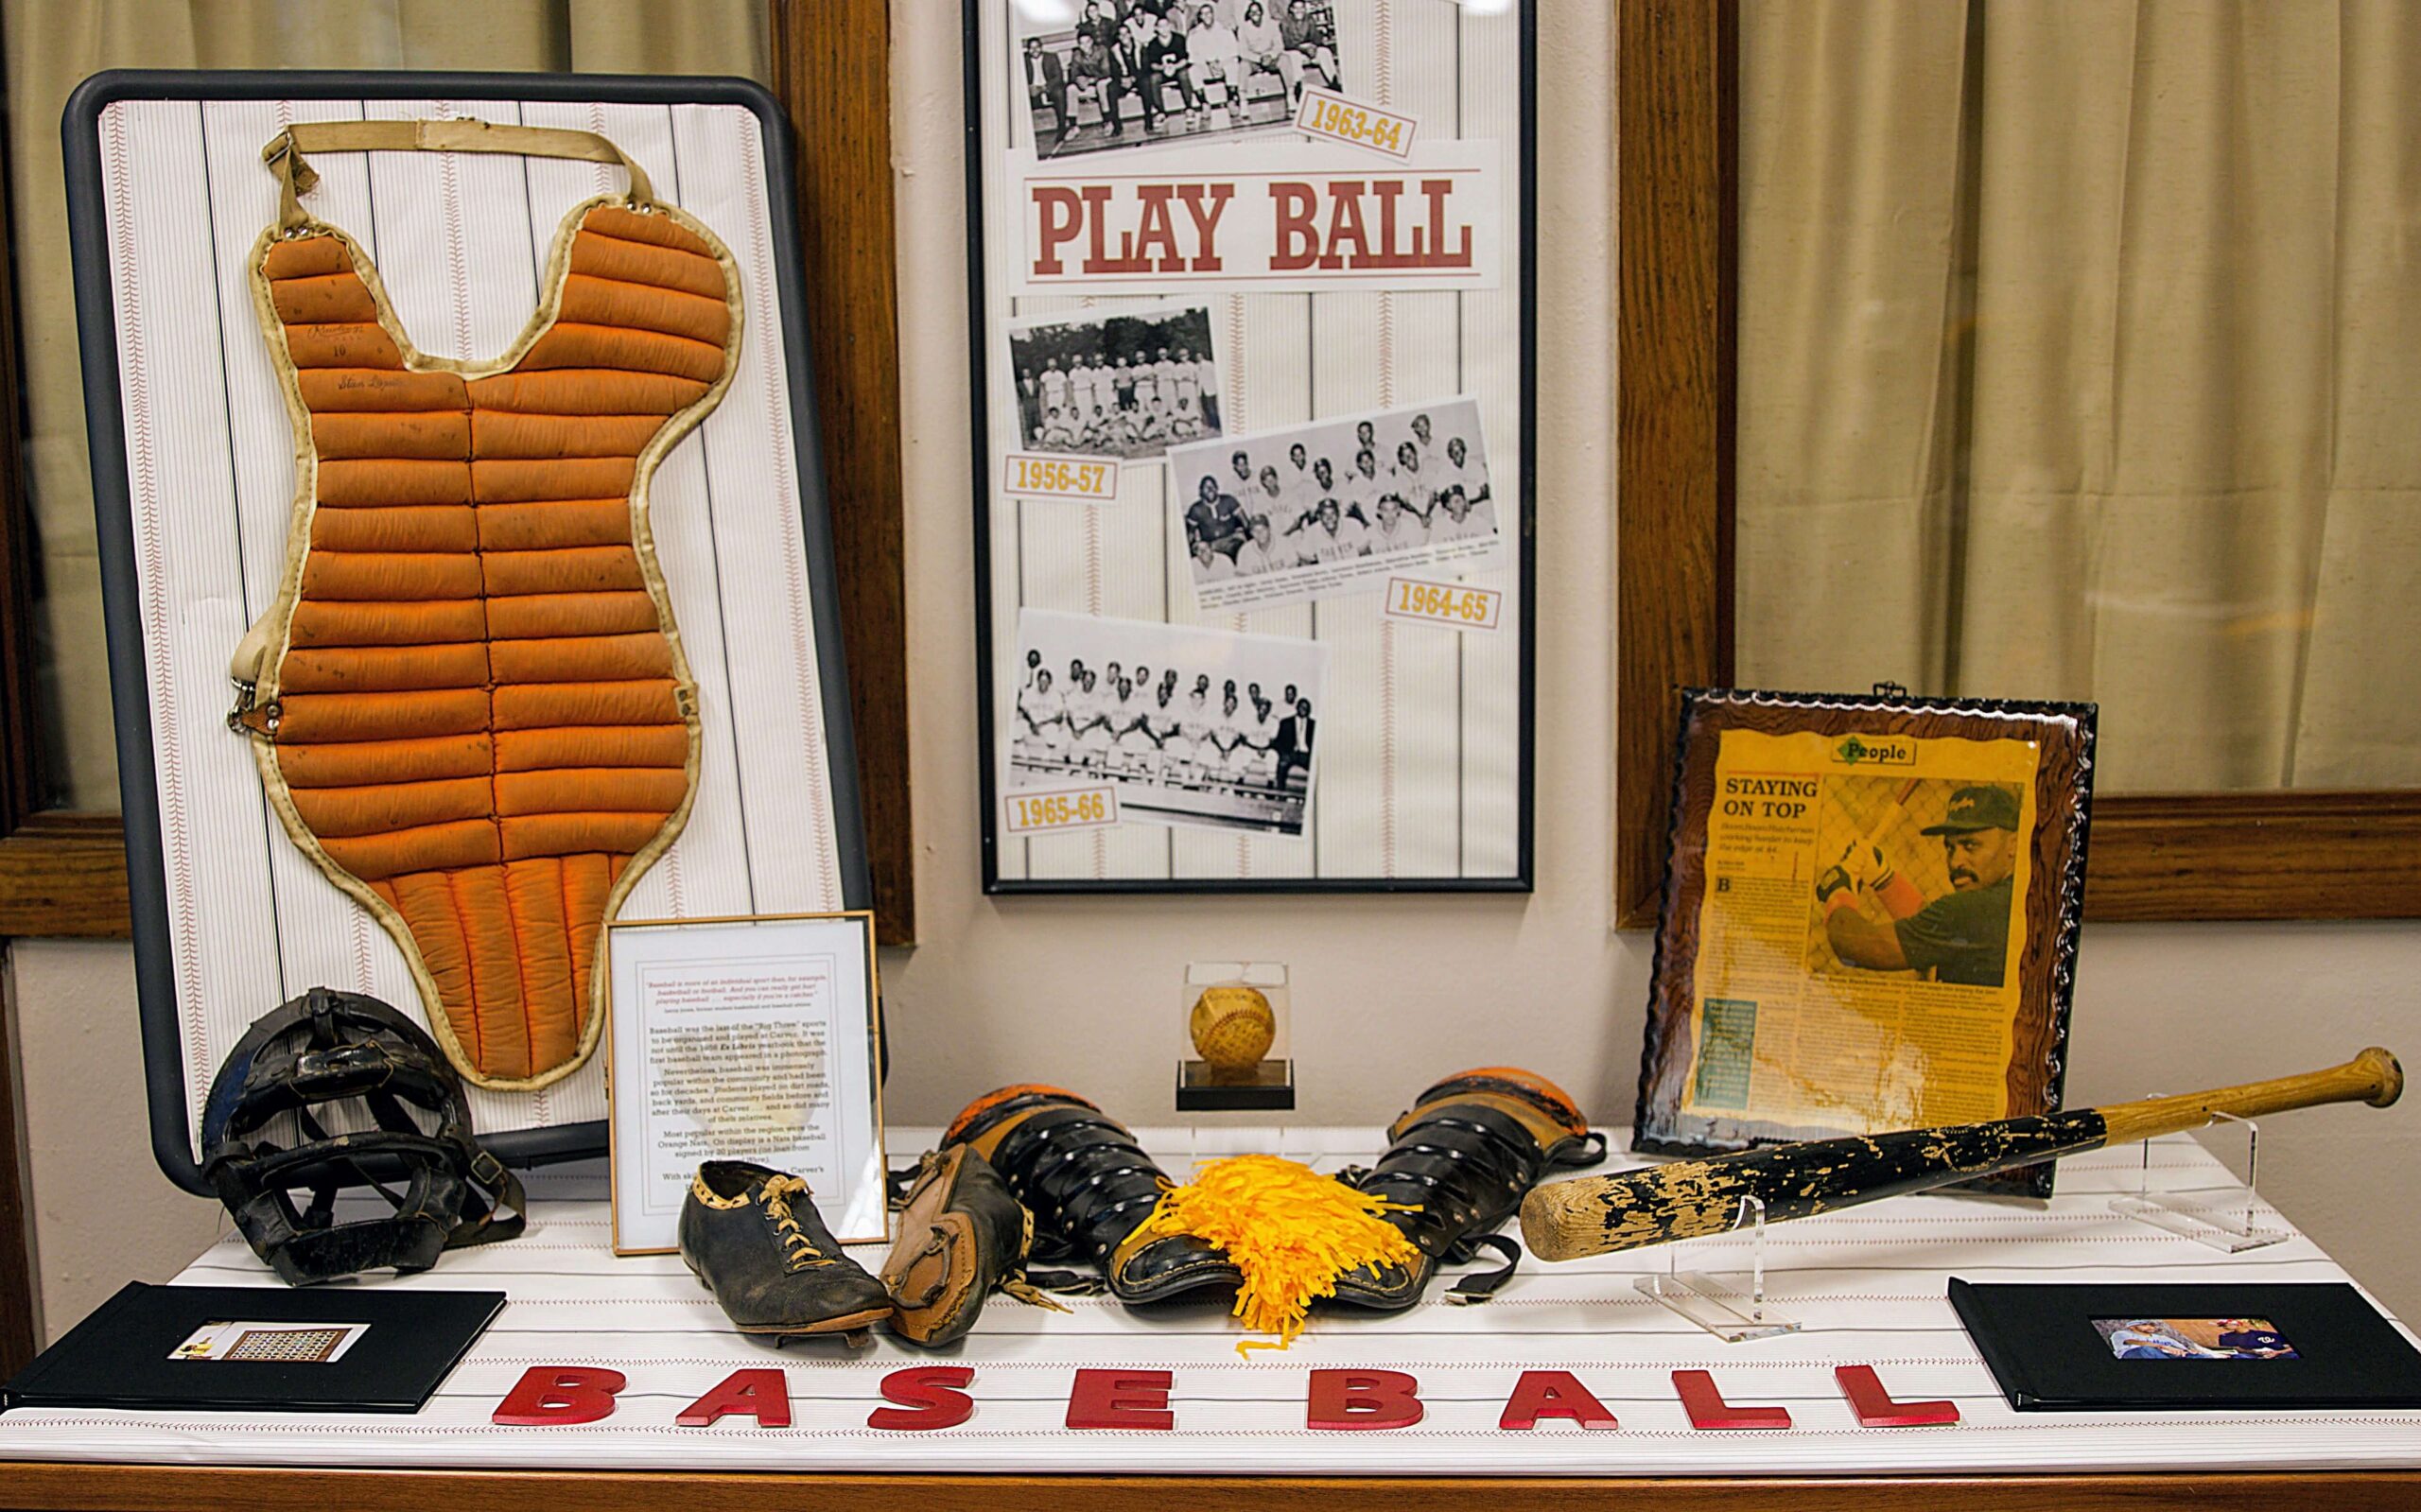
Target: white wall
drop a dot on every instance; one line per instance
(1389, 992)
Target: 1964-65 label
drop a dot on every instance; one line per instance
(1043, 812)
(1336, 118)
(1455, 605)
(1040, 475)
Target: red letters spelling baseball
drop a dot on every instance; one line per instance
(928, 1397)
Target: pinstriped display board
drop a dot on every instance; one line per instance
(1422, 775)
(1867, 1283)
(175, 197)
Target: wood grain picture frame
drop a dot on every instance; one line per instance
(1869, 918)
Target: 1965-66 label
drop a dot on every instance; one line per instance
(1336, 118)
(1040, 475)
(1455, 605)
(1038, 813)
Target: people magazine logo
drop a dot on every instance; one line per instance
(1867, 751)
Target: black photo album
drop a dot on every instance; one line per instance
(2094, 1348)
(252, 1348)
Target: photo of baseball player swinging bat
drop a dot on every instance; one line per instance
(1690, 1199)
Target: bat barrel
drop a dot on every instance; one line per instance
(1691, 1199)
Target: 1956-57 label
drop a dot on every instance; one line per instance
(1044, 813)
(1334, 119)
(1455, 605)
(1041, 474)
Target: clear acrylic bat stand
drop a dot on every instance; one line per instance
(2225, 1217)
(1714, 1303)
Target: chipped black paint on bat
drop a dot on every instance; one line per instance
(1694, 1198)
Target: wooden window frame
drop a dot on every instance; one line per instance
(2279, 854)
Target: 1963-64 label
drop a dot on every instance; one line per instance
(1336, 118)
(1038, 475)
(1455, 605)
(1036, 813)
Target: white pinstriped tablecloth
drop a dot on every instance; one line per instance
(1869, 1284)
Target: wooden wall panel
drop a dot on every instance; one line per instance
(832, 72)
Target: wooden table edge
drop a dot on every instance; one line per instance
(52, 1484)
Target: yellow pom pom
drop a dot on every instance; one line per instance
(1292, 1232)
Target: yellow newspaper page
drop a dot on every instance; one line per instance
(1861, 929)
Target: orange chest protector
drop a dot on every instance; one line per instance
(469, 702)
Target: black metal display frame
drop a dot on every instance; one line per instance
(1520, 880)
(172, 1120)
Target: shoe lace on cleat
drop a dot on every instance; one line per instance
(1015, 1285)
(801, 1251)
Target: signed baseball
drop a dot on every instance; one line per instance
(1233, 1028)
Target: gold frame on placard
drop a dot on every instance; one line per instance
(873, 1051)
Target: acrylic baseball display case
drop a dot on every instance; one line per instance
(1237, 1054)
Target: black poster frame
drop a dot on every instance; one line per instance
(1520, 880)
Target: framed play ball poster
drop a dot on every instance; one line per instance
(1869, 921)
(1251, 335)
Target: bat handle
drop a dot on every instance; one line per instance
(2372, 1077)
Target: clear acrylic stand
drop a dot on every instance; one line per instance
(2226, 1219)
(1717, 1305)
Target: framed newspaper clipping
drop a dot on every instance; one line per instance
(1252, 343)
(1870, 919)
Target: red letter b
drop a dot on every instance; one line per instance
(550, 1396)
(1364, 1399)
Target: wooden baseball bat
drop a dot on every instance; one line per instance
(1689, 1199)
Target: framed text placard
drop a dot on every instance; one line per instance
(754, 1039)
(1253, 342)
(1870, 920)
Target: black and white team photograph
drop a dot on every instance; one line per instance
(1107, 74)
(1192, 726)
(1128, 384)
(1337, 506)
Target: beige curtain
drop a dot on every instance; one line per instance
(2081, 352)
(54, 45)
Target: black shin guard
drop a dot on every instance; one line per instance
(1089, 1187)
(1466, 1153)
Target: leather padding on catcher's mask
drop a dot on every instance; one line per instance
(330, 1047)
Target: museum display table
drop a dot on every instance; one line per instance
(1868, 1284)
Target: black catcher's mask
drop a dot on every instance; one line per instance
(331, 1047)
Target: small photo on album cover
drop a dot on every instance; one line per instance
(2194, 1338)
(284, 1343)
(1192, 726)
(1126, 383)
(1105, 75)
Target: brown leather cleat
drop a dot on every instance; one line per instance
(962, 1234)
(751, 1236)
